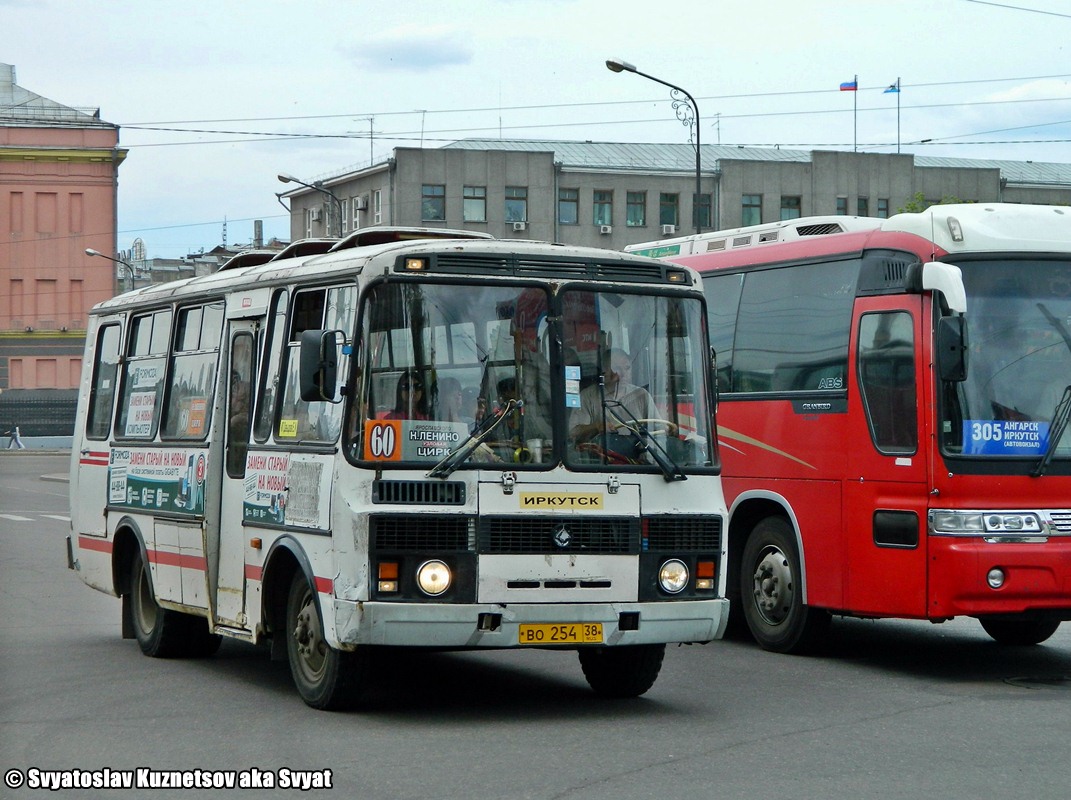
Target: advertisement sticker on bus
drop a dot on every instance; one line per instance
(158, 480)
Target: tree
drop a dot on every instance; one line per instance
(919, 203)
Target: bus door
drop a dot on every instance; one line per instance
(885, 486)
(230, 574)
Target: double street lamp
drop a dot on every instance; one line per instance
(129, 269)
(319, 187)
(687, 114)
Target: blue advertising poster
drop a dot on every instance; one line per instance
(991, 437)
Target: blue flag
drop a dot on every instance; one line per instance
(893, 87)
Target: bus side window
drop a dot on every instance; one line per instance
(887, 380)
(143, 372)
(269, 380)
(239, 416)
(102, 389)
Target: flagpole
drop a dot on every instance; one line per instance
(897, 113)
(855, 116)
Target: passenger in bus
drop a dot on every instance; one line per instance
(627, 401)
(410, 399)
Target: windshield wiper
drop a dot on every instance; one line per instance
(452, 460)
(671, 471)
(1056, 431)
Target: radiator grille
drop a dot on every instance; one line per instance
(426, 492)
(417, 532)
(557, 535)
(580, 269)
(679, 533)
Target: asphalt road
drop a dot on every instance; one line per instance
(887, 709)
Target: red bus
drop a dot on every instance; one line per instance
(893, 408)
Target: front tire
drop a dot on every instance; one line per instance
(1020, 633)
(771, 592)
(326, 678)
(161, 632)
(626, 671)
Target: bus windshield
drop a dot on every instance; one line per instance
(1019, 361)
(499, 374)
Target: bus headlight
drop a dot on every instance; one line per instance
(433, 578)
(673, 576)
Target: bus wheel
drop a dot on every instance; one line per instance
(1020, 633)
(770, 591)
(161, 632)
(325, 678)
(627, 671)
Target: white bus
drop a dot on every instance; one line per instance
(374, 446)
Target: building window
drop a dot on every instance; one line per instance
(569, 206)
(344, 222)
(790, 206)
(474, 203)
(602, 211)
(751, 209)
(516, 204)
(635, 209)
(377, 206)
(433, 202)
(702, 211)
(355, 207)
(307, 214)
(669, 209)
(842, 206)
(883, 207)
(863, 204)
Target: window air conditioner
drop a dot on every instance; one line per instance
(360, 203)
(606, 229)
(316, 214)
(669, 229)
(519, 226)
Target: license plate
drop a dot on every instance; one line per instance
(563, 633)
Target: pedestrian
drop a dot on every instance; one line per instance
(16, 440)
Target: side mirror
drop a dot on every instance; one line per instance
(952, 348)
(318, 365)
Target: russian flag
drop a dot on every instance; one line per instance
(850, 86)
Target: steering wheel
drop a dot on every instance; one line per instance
(666, 427)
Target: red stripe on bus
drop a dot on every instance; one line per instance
(167, 559)
(253, 572)
(324, 585)
(89, 543)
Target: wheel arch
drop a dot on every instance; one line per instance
(127, 542)
(747, 510)
(286, 557)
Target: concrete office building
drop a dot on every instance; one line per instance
(611, 195)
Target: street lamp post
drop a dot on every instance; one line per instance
(319, 187)
(129, 269)
(684, 114)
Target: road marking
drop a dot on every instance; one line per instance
(16, 518)
(60, 517)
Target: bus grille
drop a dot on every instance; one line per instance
(427, 492)
(590, 535)
(624, 270)
(673, 533)
(417, 532)
(1061, 520)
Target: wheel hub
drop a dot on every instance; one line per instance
(773, 587)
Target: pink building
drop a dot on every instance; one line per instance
(58, 182)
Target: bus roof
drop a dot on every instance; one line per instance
(514, 257)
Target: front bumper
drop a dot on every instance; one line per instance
(467, 626)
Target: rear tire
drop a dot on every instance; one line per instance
(627, 671)
(771, 592)
(161, 632)
(326, 678)
(1020, 633)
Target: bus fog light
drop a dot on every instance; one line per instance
(433, 578)
(673, 576)
(995, 578)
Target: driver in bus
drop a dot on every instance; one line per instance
(629, 401)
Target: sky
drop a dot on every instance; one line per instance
(215, 99)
